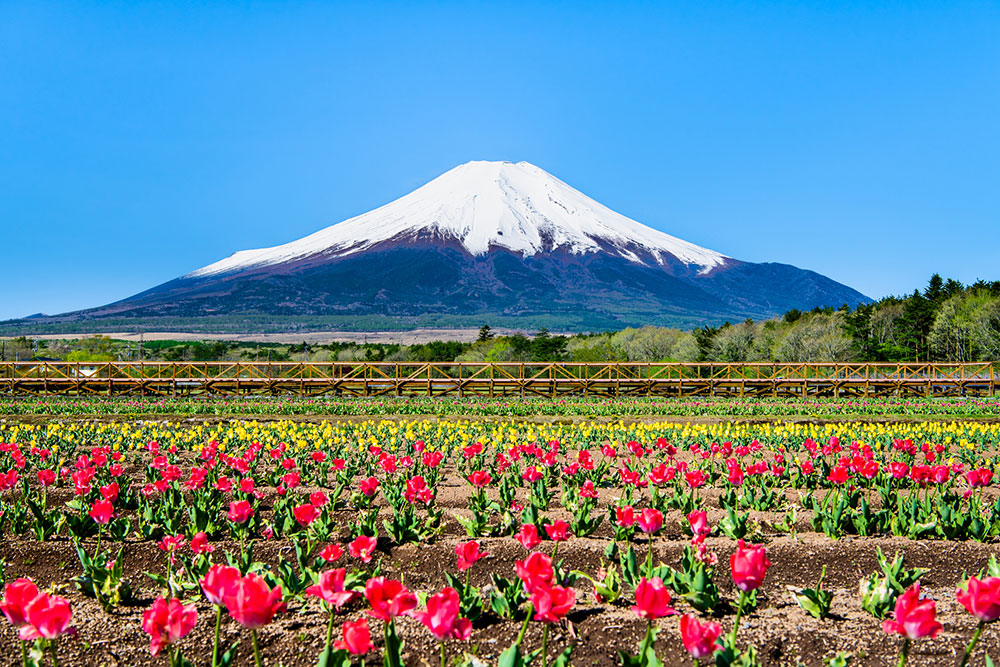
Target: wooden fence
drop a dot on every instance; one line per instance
(497, 379)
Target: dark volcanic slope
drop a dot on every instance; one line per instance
(415, 279)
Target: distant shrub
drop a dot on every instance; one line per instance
(84, 355)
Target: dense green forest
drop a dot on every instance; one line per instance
(946, 321)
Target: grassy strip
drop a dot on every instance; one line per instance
(484, 407)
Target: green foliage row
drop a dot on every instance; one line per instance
(485, 407)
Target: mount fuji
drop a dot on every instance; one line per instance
(487, 242)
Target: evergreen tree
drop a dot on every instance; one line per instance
(546, 347)
(952, 287)
(934, 289)
(485, 334)
(858, 326)
(918, 316)
(704, 337)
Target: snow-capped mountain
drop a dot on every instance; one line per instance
(485, 205)
(487, 242)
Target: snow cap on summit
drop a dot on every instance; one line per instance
(483, 205)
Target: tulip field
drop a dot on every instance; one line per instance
(479, 406)
(498, 540)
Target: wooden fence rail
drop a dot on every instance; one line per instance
(497, 379)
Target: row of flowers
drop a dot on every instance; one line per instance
(398, 435)
(544, 593)
(482, 407)
(907, 489)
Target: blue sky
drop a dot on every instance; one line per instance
(139, 141)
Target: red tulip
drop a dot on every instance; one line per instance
(528, 536)
(652, 599)
(558, 531)
(362, 547)
(102, 511)
(838, 475)
(357, 637)
(442, 618)
(110, 492)
(535, 571)
(388, 463)
(368, 486)
(217, 582)
(306, 514)
(331, 588)
(81, 480)
(468, 553)
(625, 516)
(551, 603)
(417, 489)
(389, 598)
(698, 521)
(251, 603)
(699, 638)
(47, 617)
(480, 479)
(240, 511)
(748, 565)
(735, 477)
(200, 545)
(170, 543)
(975, 478)
(167, 622)
(331, 552)
(46, 477)
(941, 474)
(981, 598)
(695, 478)
(651, 520)
(898, 469)
(913, 618)
(17, 595)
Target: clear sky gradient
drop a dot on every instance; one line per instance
(139, 141)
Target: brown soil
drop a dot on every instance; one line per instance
(783, 633)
